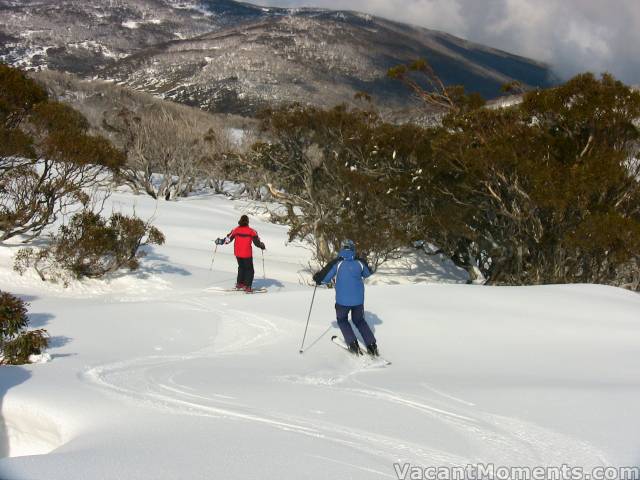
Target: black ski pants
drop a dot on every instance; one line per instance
(245, 271)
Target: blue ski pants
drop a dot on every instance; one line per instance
(357, 317)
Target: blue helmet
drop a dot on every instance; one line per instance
(348, 245)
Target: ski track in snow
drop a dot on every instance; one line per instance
(150, 381)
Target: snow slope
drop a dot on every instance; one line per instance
(161, 375)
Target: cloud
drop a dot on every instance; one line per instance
(571, 35)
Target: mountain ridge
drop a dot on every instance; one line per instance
(236, 57)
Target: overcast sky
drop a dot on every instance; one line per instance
(571, 35)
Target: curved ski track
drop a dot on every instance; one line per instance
(151, 381)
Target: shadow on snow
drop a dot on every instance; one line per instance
(10, 376)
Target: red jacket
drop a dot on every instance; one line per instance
(243, 237)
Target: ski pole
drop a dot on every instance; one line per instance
(308, 318)
(213, 259)
(264, 275)
(311, 345)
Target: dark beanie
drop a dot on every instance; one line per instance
(244, 221)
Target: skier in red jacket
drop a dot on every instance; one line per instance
(244, 236)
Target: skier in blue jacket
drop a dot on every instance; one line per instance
(349, 272)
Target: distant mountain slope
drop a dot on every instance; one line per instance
(80, 36)
(234, 57)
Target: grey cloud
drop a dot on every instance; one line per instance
(571, 35)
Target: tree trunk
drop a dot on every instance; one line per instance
(323, 253)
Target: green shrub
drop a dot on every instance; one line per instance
(13, 315)
(48, 157)
(17, 344)
(90, 246)
(545, 191)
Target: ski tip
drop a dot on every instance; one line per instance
(334, 337)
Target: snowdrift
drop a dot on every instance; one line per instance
(162, 375)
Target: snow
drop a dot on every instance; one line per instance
(365, 16)
(133, 24)
(191, 5)
(237, 135)
(96, 47)
(155, 375)
(505, 102)
(40, 358)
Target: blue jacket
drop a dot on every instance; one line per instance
(349, 273)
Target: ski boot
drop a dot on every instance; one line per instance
(355, 348)
(373, 350)
(247, 289)
(239, 286)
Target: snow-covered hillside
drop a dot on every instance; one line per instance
(233, 57)
(162, 375)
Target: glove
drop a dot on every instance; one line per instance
(317, 278)
(219, 241)
(363, 259)
(262, 247)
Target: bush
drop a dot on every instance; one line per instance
(546, 191)
(48, 158)
(17, 344)
(13, 315)
(89, 246)
(332, 171)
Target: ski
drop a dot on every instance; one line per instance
(376, 361)
(236, 290)
(257, 290)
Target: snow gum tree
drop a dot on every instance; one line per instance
(174, 143)
(171, 149)
(331, 169)
(47, 157)
(543, 192)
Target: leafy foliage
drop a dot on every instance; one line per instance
(13, 312)
(90, 246)
(332, 170)
(18, 350)
(171, 149)
(421, 78)
(546, 191)
(47, 156)
(19, 96)
(17, 344)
